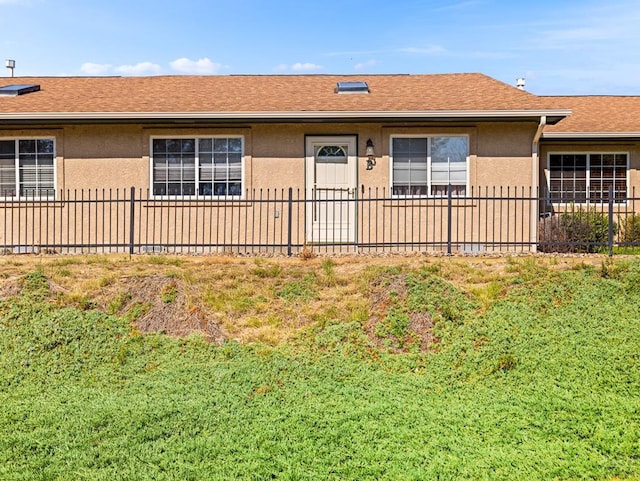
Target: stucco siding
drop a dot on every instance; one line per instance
(104, 158)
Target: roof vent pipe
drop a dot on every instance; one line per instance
(520, 83)
(10, 64)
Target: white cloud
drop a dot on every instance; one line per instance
(203, 66)
(365, 65)
(283, 67)
(94, 69)
(305, 67)
(142, 68)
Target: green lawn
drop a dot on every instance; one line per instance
(535, 377)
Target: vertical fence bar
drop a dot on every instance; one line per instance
(231, 204)
(281, 207)
(20, 224)
(377, 207)
(210, 204)
(630, 202)
(267, 215)
(124, 206)
(104, 227)
(523, 208)
(245, 205)
(82, 220)
(449, 218)
(290, 222)
(68, 205)
(610, 238)
(132, 216)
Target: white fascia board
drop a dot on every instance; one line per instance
(589, 135)
(302, 115)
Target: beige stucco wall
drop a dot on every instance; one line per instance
(504, 155)
(500, 154)
(107, 157)
(102, 157)
(117, 156)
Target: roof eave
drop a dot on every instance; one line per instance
(590, 135)
(553, 115)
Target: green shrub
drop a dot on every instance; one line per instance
(630, 230)
(169, 294)
(395, 325)
(303, 289)
(581, 230)
(267, 271)
(35, 283)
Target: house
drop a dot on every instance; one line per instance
(402, 161)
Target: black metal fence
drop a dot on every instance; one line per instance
(289, 221)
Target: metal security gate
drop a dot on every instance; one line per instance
(331, 185)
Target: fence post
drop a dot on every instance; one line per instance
(290, 221)
(449, 220)
(132, 213)
(610, 239)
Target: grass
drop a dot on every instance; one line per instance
(536, 375)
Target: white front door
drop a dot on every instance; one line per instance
(331, 172)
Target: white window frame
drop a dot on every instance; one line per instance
(17, 197)
(198, 137)
(588, 154)
(429, 169)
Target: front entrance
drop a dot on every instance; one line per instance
(331, 173)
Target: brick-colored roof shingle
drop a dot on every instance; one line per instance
(269, 93)
(597, 114)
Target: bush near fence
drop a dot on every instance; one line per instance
(577, 231)
(630, 230)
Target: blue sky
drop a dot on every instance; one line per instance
(561, 47)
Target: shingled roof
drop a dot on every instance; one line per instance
(469, 95)
(597, 117)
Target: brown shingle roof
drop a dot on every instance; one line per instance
(268, 93)
(597, 114)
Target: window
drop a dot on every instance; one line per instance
(15, 90)
(429, 165)
(352, 88)
(199, 167)
(27, 168)
(582, 178)
(332, 154)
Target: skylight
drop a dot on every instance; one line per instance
(15, 90)
(352, 88)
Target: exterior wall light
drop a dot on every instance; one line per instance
(371, 156)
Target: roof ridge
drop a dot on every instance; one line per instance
(247, 75)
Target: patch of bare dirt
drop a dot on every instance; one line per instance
(10, 287)
(388, 293)
(158, 303)
(421, 326)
